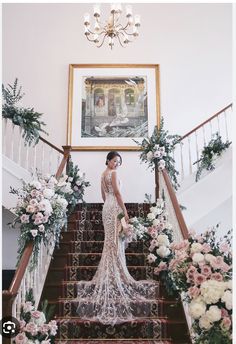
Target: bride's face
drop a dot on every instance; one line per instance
(114, 163)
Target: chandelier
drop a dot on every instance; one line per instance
(112, 28)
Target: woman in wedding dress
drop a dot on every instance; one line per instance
(113, 296)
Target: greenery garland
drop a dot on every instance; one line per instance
(214, 149)
(156, 151)
(25, 118)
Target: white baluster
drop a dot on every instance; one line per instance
(50, 161)
(218, 123)
(226, 127)
(5, 137)
(197, 150)
(204, 137)
(12, 142)
(43, 157)
(58, 159)
(210, 127)
(20, 144)
(182, 162)
(35, 159)
(27, 157)
(189, 155)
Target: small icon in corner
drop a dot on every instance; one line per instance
(10, 327)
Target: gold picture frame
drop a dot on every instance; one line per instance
(111, 105)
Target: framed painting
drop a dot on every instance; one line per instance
(110, 106)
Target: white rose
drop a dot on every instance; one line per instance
(48, 193)
(45, 205)
(151, 258)
(209, 257)
(30, 209)
(229, 284)
(205, 323)
(151, 216)
(153, 210)
(212, 291)
(198, 257)
(227, 299)
(196, 247)
(34, 232)
(197, 308)
(213, 314)
(156, 222)
(163, 251)
(37, 185)
(62, 201)
(149, 155)
(163, 240)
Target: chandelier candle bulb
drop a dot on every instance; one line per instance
(128, 11)
(86, 19)
(137, 20)
(96, 26)
(113, 8)
(118, 8)
(96, 11)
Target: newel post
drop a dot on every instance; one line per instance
(157, 186)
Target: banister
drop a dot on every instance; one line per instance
(51, 145)
(175, 203)
(208, 120)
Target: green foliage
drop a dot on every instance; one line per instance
(214, 149)
(25, 118)
(48, 310)
(78, 185)
(215, 335)
(160, 139)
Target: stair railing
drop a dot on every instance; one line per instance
(25, 278)
(44, 156)
(192, 143)
(180, 230)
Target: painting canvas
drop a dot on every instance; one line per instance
(110, 106)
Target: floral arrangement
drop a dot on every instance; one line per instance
(202, 268)
(214, 149)
(26, 118)
(41, 210)
(78, 185)
(156, 151)
(130, 231)
(35, 326)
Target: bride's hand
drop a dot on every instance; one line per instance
(126, 217)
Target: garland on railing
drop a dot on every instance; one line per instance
(157, 150)
(42, 210)
(25, 118)
(213, 150)
(36, 326)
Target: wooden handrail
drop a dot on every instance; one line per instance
(175, 203)
(208, 120)
(51, 145)
(10, 294)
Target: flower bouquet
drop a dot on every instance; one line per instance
(202, 268)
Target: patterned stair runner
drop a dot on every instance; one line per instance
(77, 259)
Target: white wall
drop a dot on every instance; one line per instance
(191, 42)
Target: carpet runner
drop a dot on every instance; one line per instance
(77, 259)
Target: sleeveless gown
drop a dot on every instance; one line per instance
(113, 295)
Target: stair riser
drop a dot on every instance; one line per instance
(157, 308)
(92, 260)
(138, 329)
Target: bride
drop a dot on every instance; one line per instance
(113, 296)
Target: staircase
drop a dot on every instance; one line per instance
(77, 259)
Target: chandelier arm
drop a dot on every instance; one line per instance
(90, 40)
(129, 34)
(123, 46)
(102, 41)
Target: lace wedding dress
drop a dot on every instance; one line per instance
(113, 296)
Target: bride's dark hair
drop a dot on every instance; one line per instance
(112, 155)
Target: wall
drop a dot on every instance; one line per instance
(191, 42)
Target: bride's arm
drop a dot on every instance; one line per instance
(118, 194)
(103, 193)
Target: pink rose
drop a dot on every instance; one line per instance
(24, 218)
(224, 313)
(206, 248)
(36, 314)
(224, 247)
(31, 328)
(21, 338)
(199, 278)
(217, 263)
(226, 323)
(225, 267)
(217, 276)
(206, 270)
(193, 292)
